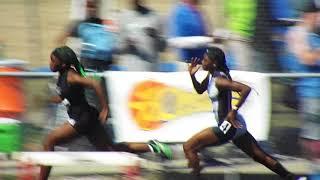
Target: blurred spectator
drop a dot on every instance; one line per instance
(265, 54)
(304, 49)
(252, 24)
(285, 15)
(140, 37)
(241, 16)
(187, 20)
(98, 44)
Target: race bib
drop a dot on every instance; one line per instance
(225, 126)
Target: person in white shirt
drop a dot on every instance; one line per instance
(140, 37)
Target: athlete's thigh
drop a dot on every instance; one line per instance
(98, 137)
(248, 144)
(63, 134)
(204, 138)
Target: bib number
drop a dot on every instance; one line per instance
(225, 126)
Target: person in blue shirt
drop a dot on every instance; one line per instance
(187, 20)
(304, 51)
(98, 43)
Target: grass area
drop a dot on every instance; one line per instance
(32, 137)
(8, 177)
(36, 100)
(36, 114)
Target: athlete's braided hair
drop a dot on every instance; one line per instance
(67, 56)
(215, 53)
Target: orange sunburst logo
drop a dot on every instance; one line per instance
(153, 103)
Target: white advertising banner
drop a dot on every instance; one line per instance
(164, 106)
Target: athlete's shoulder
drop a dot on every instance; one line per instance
(219, 74)
(72, 75)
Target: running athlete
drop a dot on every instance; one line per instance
(84, 119)
(231, 125)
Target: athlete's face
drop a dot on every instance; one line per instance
(55, 63)
(208, 64)
(92, 9)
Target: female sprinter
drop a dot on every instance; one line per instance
(84, 119)
(231, 125)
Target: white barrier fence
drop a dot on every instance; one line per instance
(164, 106)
